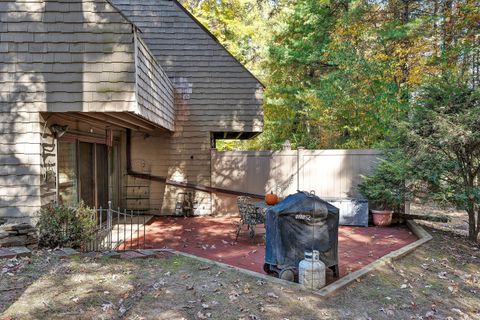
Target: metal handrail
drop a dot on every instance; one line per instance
(115, 230)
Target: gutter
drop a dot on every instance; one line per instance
(187, 185)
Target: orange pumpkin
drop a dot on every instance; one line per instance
(271, 199)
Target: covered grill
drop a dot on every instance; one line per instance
(301, 222)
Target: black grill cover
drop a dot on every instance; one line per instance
(301, 222)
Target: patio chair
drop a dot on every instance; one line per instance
(249, 215)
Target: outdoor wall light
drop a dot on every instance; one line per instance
(58, 130)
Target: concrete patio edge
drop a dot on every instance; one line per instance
(423, 237)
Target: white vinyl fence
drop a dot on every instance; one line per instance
(330, 173)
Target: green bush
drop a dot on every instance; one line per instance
(385, 187)
(61, 226)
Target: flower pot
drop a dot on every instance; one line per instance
(382, 218)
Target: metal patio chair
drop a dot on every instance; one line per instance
(249, 215)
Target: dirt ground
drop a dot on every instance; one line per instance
(458, 223)
(440, 280)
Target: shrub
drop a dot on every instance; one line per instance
(386, 186)
(61, 226)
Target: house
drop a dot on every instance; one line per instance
(116, 101)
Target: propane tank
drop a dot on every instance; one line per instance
(311, 271)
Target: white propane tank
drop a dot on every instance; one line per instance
(311, 271)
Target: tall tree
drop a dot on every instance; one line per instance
(442, 141)
(341, 73)
(334, 82)
(240, 25)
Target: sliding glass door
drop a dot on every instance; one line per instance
(84, 173)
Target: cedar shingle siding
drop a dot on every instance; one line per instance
(154, 89)
(224, 95)
(214, 93)
(87, 56)
(60, 56)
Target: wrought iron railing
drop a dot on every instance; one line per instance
(117, 230)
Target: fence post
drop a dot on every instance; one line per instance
(138, 229)
(124, 229)
(117, 243)
(109, 226)
(131, 229)
(299, 157)
(102, 240)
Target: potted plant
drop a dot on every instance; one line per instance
(385, 188)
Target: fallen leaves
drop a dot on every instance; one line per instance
(14, 265)
(272, 295)
(107, 306)
(233, 295)
(158, 285)
(201, 315)
(389, 310)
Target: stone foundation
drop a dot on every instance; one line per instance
(17, 235)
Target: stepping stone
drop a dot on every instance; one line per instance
(133, 255)
(112, 254)
(65, 253)
(148, 253)
(12, 252)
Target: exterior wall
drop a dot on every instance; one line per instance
(154, 89)
(20, 170)
(61, 56)
(66, 56)
(214, 92)
(79, 56)
(330, 173)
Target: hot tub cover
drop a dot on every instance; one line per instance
(301, 222)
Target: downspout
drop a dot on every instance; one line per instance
(174, 183)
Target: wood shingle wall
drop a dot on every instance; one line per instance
(66, 56)
(154, 89)
(213, 93)
(61, 56)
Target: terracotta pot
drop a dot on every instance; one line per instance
(382, 218)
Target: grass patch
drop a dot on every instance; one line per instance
(181, 287)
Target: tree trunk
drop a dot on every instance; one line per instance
(473, 225)
(477, 231)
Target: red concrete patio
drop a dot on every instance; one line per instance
(214, 238)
